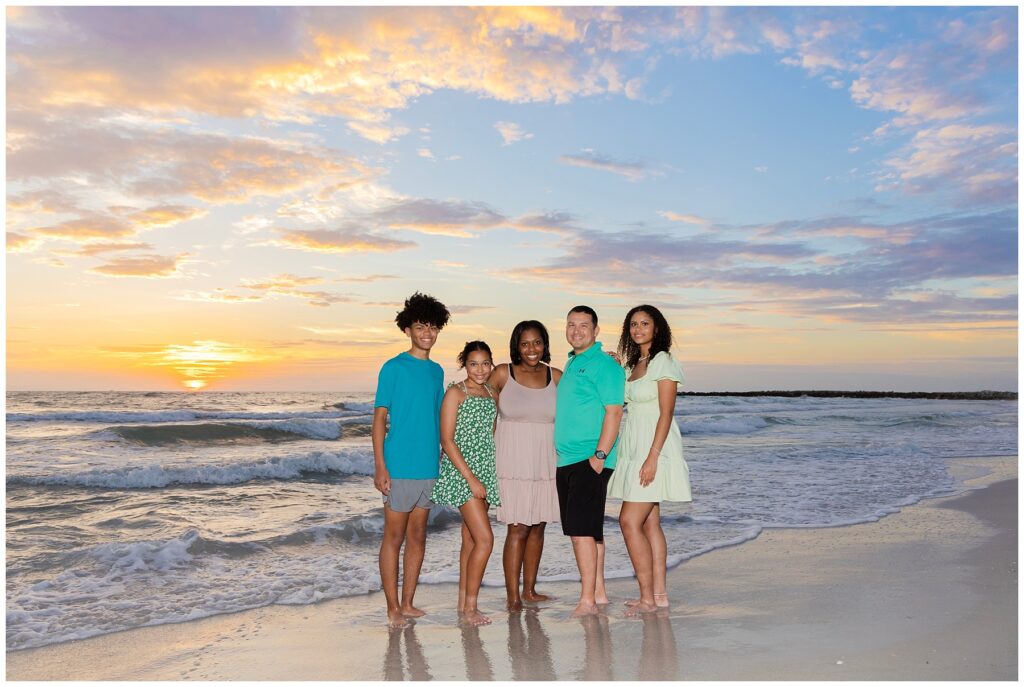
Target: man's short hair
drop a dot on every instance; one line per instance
(424, 309)
(584, 309)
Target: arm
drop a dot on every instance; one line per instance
(449, 413)
(666, 406)
(556, 375)
(381, 478)
(499, 375)
(609, 431)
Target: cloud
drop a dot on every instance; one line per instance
(377, 132)
(688, 219)
(20, 243)
(761, 169)
(98, 248)
(425, 152)
(168, 163)
(293, 286)
(895, 264)
(151, 266)
(370, 278)
(511, 132)
(297, 63)
(165, 216)
(444, 217)
(95, 226)
(337, 241)
(551, 221)
(978, 161)
(634, 171)
(469, 309)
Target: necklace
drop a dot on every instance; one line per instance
(644, 358)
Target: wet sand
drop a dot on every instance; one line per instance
(927, 594)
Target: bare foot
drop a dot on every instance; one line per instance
(396, 619)
(631, 602)
(602, 600)
(639, 608)
(412, 612)
(534, 597)
(661, 600)
(585, 609)
(514, 605)
(475, 618)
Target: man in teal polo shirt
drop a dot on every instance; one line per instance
(587, 417)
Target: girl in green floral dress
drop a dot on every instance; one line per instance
(468, 479)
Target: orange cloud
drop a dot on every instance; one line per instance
(151, 266)
(19, 243)
(335, 241)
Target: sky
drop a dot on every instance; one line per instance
(231, 199)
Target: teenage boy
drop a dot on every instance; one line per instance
(588, 412)
(407, 454)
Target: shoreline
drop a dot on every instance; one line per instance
(906, 597)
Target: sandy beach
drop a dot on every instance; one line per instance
(928, 593)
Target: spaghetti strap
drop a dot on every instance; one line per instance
(464, 389)
(549, 374)
(487, 388)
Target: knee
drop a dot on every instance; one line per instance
(630, 526)
(519, 532)
(393, 539)
(484, 540)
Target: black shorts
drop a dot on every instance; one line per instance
(581, 497)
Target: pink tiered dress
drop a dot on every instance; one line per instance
(525, 440)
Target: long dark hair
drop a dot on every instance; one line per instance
(513, 342)
(469, 348)
(629, 350)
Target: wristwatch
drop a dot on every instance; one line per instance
(600, 455)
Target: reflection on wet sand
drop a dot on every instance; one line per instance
(478, 664)
(415, 660)
(530, 652)
(597, 659)
(659, 659)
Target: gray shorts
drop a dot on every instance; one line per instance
(407, 494)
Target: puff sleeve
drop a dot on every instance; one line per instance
(664, 366)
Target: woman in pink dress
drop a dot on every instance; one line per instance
(526, 456)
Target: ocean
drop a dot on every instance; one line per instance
(134, 509)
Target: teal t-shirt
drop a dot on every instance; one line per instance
(411, 389)
(591, 381)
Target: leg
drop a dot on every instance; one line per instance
(467, 547)
(600, 593)
(659, 551)
(585, 550)
(512, 561)
(531, 563)
(631, 521)
(412, 560)
(474, 515)
(390, 545)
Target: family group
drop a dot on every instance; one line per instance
(539, 443)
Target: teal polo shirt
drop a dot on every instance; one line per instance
(591, 380)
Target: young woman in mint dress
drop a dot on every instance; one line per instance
(651, 468)
(467, 479)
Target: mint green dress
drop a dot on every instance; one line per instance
(474, 435)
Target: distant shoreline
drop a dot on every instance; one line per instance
(945, 395)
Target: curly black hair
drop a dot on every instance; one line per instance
(517, 332)
(469, 348)
(424, 309)
(629, 351)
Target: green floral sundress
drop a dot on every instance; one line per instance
(474, 435)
